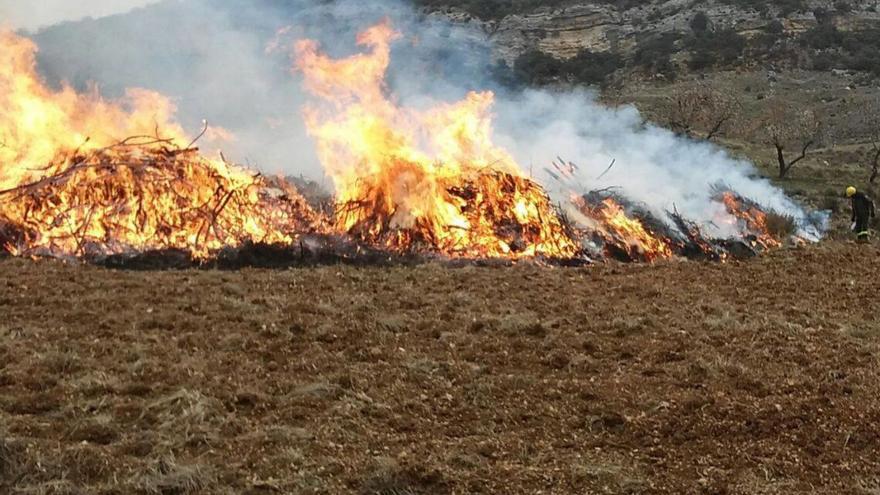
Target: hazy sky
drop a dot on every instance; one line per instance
(33, 14)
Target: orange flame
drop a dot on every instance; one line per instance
(621, 232)
(413, 179)
(37, 123)
(752, 221)
(69, 186)
(405, 179)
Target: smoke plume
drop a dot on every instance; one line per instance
(228, 61)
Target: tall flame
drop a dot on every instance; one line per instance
(412, 179)
(83, 176)
(70, 185)
(37, 123)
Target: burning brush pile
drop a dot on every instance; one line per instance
(618, 229)
(408, 183)
(146, 194)
(429, 181)
(68, 188)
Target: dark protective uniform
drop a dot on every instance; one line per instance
(862, 213)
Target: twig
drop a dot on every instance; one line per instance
(128, 142)
(604, 190)
(613, 161)
(84, 162)
(212, 223)
(552, 174)
(83, 230)
(204, 131)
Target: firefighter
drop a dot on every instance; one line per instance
(862, 212)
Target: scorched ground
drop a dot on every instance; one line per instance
(758, 377)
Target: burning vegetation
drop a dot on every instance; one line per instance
(622, 236)
(134, 197)
(71, 189)
(749, 219)
(406, 181)
(621, 230)
(429, 180)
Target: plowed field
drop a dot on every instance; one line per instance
(681, 377)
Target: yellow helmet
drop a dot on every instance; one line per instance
(850, 191)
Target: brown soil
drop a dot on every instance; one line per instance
(758, 377)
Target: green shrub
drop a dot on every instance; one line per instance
(700, 22)
(654, 53)
(856, 50)
(715, 47)
(830, 203)
(535, 67)
(591, 68)
(822, 37)
(701, 60)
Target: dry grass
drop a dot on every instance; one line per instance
(781, 226)
(9, 458)
(756, 377)
(167, 477)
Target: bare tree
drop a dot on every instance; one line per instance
(701, 111)
(786, 127)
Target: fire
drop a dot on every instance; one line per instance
(622, 235)
(751, 220)
(70, 186)
(413, 179)
(37, 124)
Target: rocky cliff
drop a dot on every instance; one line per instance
(599, 27)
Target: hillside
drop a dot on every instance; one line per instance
(711, 32)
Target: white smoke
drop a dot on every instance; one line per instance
(651, 165)
(211, 57)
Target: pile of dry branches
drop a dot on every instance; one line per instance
(145, 193)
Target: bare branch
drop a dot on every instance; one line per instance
(613, 161)
(803, 154)
(701, 111)
(201, 134)
(783, 127)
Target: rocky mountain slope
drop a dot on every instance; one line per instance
(565, 29)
